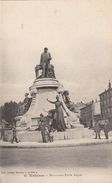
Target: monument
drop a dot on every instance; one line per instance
(46, 88)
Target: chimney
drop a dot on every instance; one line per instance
(109, 85)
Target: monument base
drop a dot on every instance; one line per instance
(35, 136)
(41, 90)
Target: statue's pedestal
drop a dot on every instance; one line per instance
(41, 90)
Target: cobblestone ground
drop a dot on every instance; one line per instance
(99, 155)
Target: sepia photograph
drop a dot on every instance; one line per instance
(56, 91)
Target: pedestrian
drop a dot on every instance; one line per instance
(3, 130)
(43, 128)
(14, 135)
(51, 135)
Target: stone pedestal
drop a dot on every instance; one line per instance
(41, 90)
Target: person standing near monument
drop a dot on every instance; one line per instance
(44, 61)
(3, 130)
(43, 128)
(14, 134)
(60, 122)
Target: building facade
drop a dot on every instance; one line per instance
(78, 107)
(106, 104)
(90, 113)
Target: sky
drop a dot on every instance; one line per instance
(78, 35)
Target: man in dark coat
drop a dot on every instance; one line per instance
(3, 129)
(14, 135)
(43, 128)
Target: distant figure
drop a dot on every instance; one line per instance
(14, 138)
(43, 128)
(51, 136)
(3, 130)
(49, 123)
(44, 61)
(101, 125)
(60, 122)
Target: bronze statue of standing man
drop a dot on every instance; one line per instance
(44, 62)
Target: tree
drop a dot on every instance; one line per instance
(0, 114)
(9, 111)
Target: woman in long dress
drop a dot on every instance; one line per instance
(60, 122)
